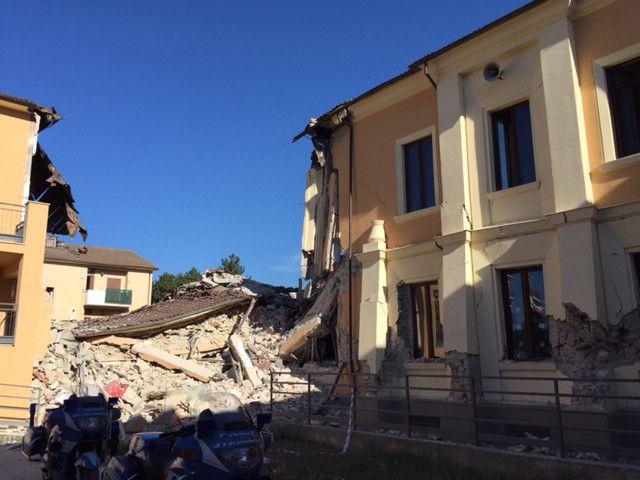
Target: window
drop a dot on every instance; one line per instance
(623, 87)
(427, 327)
(418, 175)
(49, 291)
(526, 322)
(513, 146)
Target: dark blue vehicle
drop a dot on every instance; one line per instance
(223, 444)
(75, 438)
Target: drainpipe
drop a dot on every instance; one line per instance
(429, 77)
(350, 251)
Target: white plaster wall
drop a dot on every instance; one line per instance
(617, 238)
(522, 81)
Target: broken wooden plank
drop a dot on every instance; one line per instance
(115, 341)
(240, 355)
(156, 355)
(244, 318)
(203, 345)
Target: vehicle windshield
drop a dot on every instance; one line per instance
(228, 411)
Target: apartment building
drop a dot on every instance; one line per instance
(34, 199)
(487, 194)
(90, 281)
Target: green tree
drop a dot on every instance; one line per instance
(231, 264)
(168, 282)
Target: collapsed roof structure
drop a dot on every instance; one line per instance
(46, 183)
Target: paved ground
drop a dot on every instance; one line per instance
(15, 466)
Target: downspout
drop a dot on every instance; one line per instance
(350, 251)
(429, 77)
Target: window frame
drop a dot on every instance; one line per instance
(514, 176)
(610, 159)
(506, 312)
(634, 257)
(429, 350)
(617, 134)
(401, 213)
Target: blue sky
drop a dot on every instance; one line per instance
(179, 114)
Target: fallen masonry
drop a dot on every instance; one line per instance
(220, 334)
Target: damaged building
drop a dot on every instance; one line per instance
(486, 200)
(222, 333)
(34, 200)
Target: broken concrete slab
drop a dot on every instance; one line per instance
(153, 354)
(314, 322)
(240, 354)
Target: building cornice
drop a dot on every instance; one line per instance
(389, 96)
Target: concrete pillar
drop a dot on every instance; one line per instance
(32, 326)
(457, 294)
(373, 304)
(579, 262)
(565, 118)
(453, 151)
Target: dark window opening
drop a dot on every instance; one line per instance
(623, 85)
(428, 338)
(513, 146)
(418, 175)
(526, 323)
(635, 258)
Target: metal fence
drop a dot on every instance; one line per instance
(12, 220)
(14, 403)
(7, 322)
(599, 418)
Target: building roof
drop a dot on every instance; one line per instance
(176, 312)
(418, 64)
(48, 115)
(92, 256)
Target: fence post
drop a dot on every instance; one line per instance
(271, 392)
(474, 410)
(308, 399)
(408, 396)
(559, 416)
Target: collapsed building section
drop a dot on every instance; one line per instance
(220, 334)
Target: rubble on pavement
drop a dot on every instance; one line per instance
(220, 334)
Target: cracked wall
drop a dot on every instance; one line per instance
(587, 350)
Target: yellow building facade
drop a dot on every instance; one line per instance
(29, 184)
(87, 281)
(492, 184)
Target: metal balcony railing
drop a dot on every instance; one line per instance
(107, 297)
(12, 221)
(7, 322)
(116, 295)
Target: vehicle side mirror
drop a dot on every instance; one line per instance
(263, 419)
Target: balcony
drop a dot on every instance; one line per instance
(107, 297)
(12, 221)
(7, 322)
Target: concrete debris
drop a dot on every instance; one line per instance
(171, 363)
(585, 349)
(314, 323)
(153, 354)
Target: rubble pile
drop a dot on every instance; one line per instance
(220, 334)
